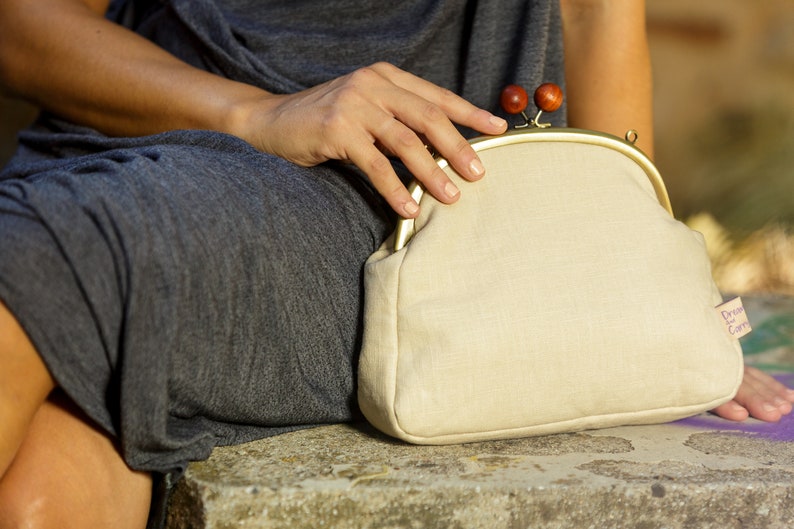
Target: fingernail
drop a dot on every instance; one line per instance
(769, 407)
(411, 208)
(451, 190)
(496, 121)
(476, 168)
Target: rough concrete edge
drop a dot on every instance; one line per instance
(636, 506)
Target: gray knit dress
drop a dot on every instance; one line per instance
(188, 291)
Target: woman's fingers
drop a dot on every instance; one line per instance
(377, 110)
(429, 120)
(430, 110)
(380, 172)
(371, 116)
(404, 143)
(455, 107)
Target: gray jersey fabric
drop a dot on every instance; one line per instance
(188, 291)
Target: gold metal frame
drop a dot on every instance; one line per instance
(406, 229)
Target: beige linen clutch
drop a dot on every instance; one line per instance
(558, 294)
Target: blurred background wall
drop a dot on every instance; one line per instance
(724, 90)
(724, 112)
(724, 107)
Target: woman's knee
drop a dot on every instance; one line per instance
(22, 508)
(68, 474)
(24, 384)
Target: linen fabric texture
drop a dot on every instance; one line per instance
(557, 295)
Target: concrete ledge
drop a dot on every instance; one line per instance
(701, 473)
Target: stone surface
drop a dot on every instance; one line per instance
(701, 472)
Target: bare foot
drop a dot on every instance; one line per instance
(759, 396)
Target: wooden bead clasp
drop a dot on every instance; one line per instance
(548, 97)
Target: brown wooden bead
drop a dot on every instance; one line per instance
(514, 99)
(548, 97)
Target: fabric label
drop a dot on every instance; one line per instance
(734, 317)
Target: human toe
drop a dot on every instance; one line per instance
(732, 411)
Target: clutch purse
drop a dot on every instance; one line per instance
(558, 294)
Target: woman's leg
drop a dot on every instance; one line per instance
(216, 291)
(68, 474)
(58, 469)
(182, 295)
(24, 385)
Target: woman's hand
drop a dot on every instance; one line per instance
(371, 114)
